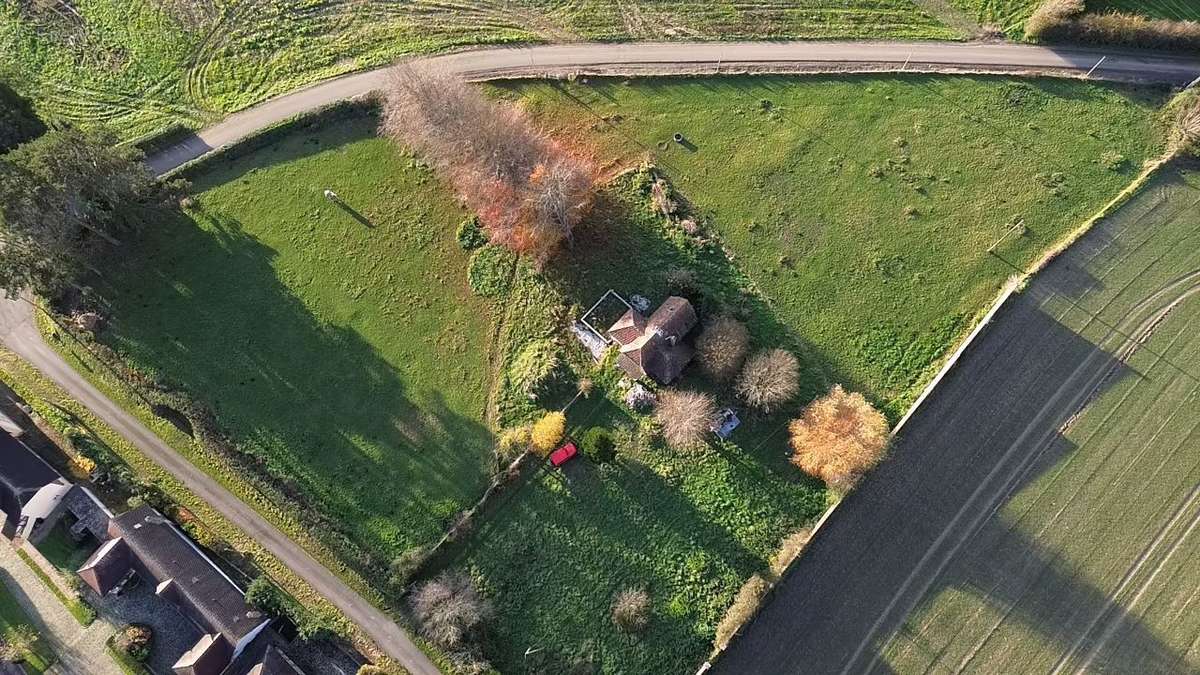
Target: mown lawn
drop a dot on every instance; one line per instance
(12, 615)
(140, 66)
(61, 551)
(340, 346)
(863, 207)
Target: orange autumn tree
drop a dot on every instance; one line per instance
(838, 438)
(528, 190)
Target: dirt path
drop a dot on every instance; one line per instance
(80, 650)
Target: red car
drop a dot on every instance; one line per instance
(563, 455)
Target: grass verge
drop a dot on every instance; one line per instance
(79, 609)
(12, 615)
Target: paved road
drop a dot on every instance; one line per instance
(930, 525)
(641, 58)
(19, 333)
(81, 651)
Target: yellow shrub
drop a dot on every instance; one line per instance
(548, 431)
(85, 464)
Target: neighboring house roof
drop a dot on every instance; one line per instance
(22, 475)
(105, 568)
(658, 350)
(628, 328)
(275, 662)
(169, 556)
(209, 656)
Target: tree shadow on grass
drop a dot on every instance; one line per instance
(559, 553)
(924, 522)
(626, 247)
(318, 407)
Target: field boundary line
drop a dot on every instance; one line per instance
(1010, 286)
(1014, 283)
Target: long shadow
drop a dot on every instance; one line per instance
(583, 535)
(338, 426)
(988, 432)
(627, 247)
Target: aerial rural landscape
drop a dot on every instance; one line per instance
(812, 336)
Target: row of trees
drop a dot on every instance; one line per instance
(527, 189)
(837, 438)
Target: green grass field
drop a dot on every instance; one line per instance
(687, 527)
(1091, 565)
(1175, 10)
(342, 349)
(1008, 15)
(863, 207)
(13, 615)
(141, 66)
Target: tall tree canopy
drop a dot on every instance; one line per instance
(18, 122)
(66, 199)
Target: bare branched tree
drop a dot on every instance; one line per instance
(450, 611)
(685, 416)
(528, 191)
(722, 347)
(769, 379)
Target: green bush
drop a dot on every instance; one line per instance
(266, 596)
(597, 445)
(491, 271)
(470, 235)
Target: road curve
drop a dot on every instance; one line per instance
(699, 58)
(19, 332)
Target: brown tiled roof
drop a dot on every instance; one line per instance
(628, 328)
(673, 318)
(106, 566)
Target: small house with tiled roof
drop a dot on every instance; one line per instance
(654, 347)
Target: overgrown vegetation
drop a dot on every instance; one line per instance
(1066, 21)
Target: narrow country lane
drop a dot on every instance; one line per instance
(19, 333)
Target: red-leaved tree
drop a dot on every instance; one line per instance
(528, 190)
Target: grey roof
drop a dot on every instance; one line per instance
(168, 554)
(22, 474)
